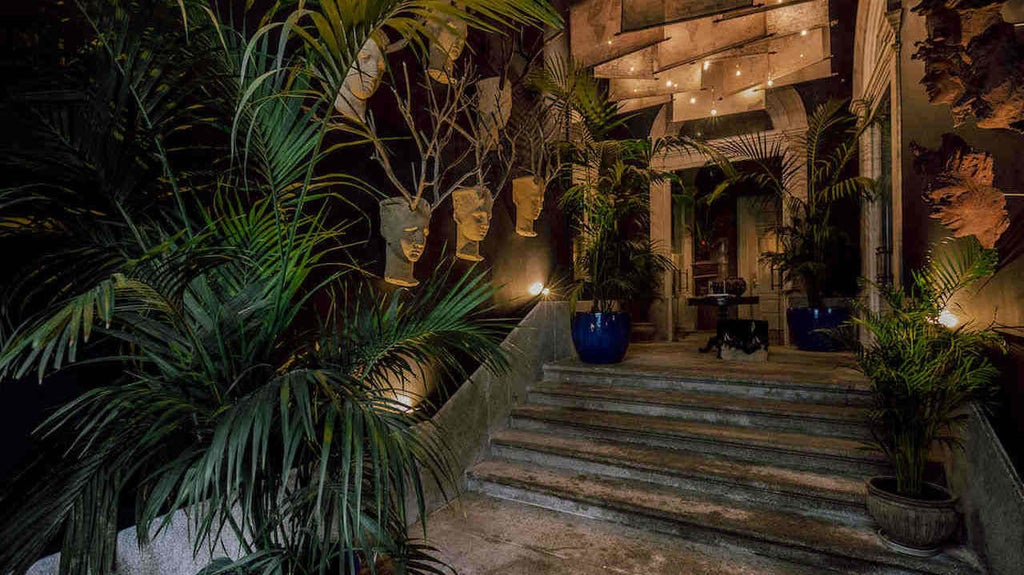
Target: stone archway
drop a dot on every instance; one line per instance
(789, 117)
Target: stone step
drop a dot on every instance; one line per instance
(781, 535)
(832, 455)
(812, 418)
(837, 386)
(479, 534)
(811, 494)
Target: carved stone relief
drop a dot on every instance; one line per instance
(958, 185)
(973, 62)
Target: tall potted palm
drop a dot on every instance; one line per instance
(923, 374)
(607, 184)
(811, 179)
(617, 261)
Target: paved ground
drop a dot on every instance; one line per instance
(481, 535)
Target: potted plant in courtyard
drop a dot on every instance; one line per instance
(607, 200)
(923, 374)
(811, 178)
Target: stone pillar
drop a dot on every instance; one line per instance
(661, 313)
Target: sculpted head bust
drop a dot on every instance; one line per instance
(494, 108)
(449, 42)
(528, 195)
(405, 231)
(361, 82)
(472, 211)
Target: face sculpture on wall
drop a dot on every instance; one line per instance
(528, 195)
(494, 108)
(361, 81)
(449, 41)
(473, 220)
(405, 231)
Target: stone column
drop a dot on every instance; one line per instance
(661, 313)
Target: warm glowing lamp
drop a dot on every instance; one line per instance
(948, 319)
(536, 288)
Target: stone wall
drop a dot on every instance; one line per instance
(480, 406)
(483, 404)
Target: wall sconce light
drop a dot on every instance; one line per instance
(714, 112)
(803, 32)
(536, 288)
(948, 319)
(693, 100)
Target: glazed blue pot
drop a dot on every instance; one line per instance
(804, 323)
(601, 337)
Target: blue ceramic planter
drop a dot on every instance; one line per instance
(601, 337)
(805, 321)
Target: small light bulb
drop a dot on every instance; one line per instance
(536, 288)
(668, 84)
(609, 42)
(693, 100)
(803, 32)
(632, 68)
(545, 292)
(714, 112)
(635, 90)
(739, 73)
(801, 55)
(707, 64)
(770, 83)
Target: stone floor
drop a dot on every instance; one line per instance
(481, 535)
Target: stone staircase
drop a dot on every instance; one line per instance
(769, 464)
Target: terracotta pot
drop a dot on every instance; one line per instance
(909, 525)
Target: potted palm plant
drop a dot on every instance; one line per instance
(811, 179)
(923, 374)
(619, 266)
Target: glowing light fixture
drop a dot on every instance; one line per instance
(609, 42)
(632, 68)
(714, 112)
(693, 100)
(739, 73)
(707, 64)
(803, 32)
(405, 401)
(948, 319)
(668, 84)
(545, 292)
(770, 82)
(536, 288)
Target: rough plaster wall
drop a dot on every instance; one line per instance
(481, 406)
